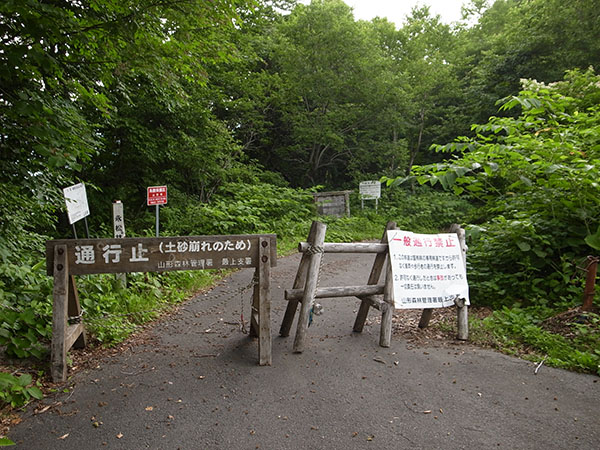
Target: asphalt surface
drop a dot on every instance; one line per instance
(194, 383)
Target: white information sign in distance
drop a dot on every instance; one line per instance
(428, 269)
(76, 201)
(370, 190)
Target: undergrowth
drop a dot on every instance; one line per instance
(524, 332)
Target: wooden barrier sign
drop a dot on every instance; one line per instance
(66, 258)
(392, 258)
(89, 256)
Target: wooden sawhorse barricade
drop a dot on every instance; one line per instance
(66, 258)
(305, 288)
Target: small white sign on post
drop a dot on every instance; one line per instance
(76, 201)
(428, 270)
(369, 190)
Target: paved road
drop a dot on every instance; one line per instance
(195, 384)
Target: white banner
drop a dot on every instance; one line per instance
(428, 269)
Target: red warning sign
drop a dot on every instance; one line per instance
(157, 195)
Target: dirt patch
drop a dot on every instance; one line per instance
(442, 326)
(562, 323)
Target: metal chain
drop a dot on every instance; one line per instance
(225, 296)
(76, 319)
(121, 326)
(11, 308)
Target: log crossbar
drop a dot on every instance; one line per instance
(332, 292)
(361, 247)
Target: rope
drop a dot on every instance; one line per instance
(316, 309)
(225, 296)
(314, 249)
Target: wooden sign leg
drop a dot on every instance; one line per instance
(385, 337)
(374, 276)
(58, 358)
(74, 310)
(264, 303)
(310, 288)
(299, 283)
(425, 317)
(462, 320)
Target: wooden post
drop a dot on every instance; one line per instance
(59, 314)
(347, 203)
(590, 283)
(385, 336)
(374, 276)
(462, 310)
(299, 283)
(425, 317)
(338, 291)
(119, 232)
(346, 247)
(312, 276)
(264, 303)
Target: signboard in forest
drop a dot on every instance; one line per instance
(428, 269)
(370, 190)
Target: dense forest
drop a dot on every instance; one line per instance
(245, 107)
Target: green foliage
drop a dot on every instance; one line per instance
(17, 391)
(26, 302)
(240, 208)
(518, 329)
(112, 312)
(423, 210)
(332, 77)
(534, 179)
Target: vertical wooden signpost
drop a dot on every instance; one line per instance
(66, 258)
(65, 302)
(118, 233)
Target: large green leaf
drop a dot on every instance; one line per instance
(593, 240)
